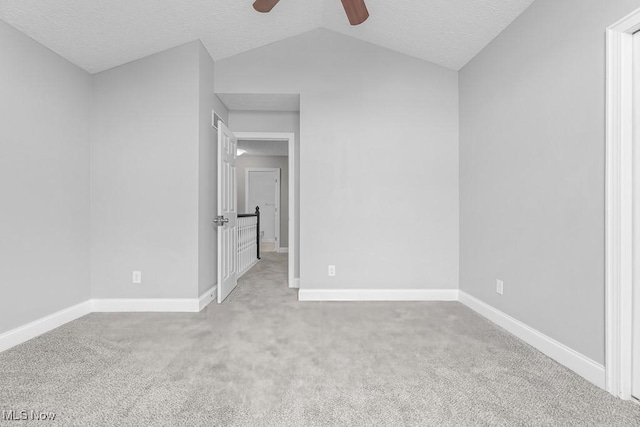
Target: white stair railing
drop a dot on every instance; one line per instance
(247, 242)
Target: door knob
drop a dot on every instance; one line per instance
(220, 220)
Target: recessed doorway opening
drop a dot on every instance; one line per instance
(266, 179)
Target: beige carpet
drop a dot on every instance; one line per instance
(264, 359)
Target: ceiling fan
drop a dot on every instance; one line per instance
(356, 9)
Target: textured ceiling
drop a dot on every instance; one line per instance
(446, 32)
(260, 102)
(97, 34)
(264, 148)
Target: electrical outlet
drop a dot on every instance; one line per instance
(499, 286)
(332, 270)
(137, 277)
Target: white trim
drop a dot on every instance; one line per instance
(296, 283)
(580, 364)
(293, 218)
(207, 297)
(283, 250)
(619, 201)
(134, 305)
(293, 166)
(635, 304)
(378, 295)
(45, 324)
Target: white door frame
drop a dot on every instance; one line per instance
(619, 203)
(291, 138)
(635, 329)
(278, 173)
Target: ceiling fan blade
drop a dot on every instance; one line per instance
(356, 11)
(264, 6)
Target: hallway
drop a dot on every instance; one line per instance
(263, 358)
(266, 281)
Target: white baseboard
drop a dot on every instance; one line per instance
(175, 305)
(283, 250)
(45, 324)
(207, 297)
(579, 363)
(38, 327)
(118, 305)
(378, 295)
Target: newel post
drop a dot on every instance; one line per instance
(258, 230)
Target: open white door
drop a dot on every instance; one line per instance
(227, 213)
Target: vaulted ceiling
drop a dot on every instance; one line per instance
(97, 35)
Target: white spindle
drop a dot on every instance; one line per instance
(247, 244)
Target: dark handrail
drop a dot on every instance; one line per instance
(256, 214)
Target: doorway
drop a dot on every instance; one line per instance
(288, 214)
(262, 190)
(622, 352)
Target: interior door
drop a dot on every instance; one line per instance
(263, 191)
(226, 220)
(635, 364)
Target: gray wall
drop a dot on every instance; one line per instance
(532, 117)
(207, 174)
(145, 177)
(378, 158)
(44, 181)
(282, 162)
(274, 121)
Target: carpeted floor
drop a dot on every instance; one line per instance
(264, 359)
